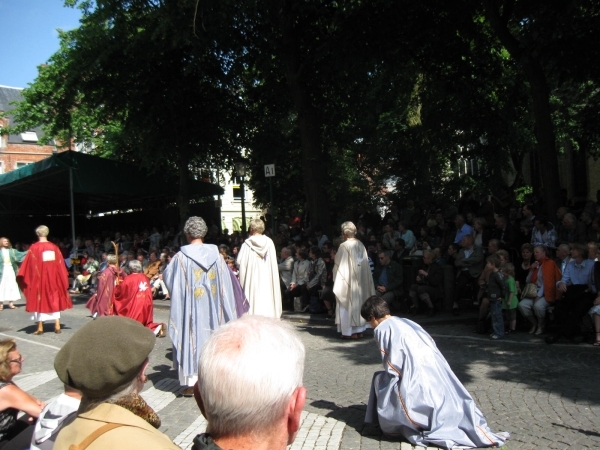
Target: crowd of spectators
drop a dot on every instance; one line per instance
(407, 247)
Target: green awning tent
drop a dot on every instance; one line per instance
(96, 184)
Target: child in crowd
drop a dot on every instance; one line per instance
(494, 293)
(510, 301)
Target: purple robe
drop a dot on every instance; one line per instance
(103, 300)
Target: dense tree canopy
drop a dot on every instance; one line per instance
(347, 98)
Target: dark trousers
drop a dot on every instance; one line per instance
(569, 310)
(464, 283)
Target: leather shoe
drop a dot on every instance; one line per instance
(188, 392)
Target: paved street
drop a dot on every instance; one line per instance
(545, 396)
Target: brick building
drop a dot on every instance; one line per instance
(17, 150)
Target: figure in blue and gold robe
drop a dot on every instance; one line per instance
(202, 299)
(418, 397)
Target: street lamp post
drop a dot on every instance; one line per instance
(240, 169)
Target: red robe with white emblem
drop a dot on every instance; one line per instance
(133, 299)
(44, 280)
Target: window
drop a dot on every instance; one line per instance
(22, 164)
(1, 167)
(29, 136)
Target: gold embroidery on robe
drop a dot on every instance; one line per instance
(213, 289)
(212, 274)
(198, 292)
(197, 274)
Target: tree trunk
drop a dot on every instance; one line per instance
(540, 95)
(183, 199)
(313, 165)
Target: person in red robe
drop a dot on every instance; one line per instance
(44, 280)
(133, 299)
(102, 302)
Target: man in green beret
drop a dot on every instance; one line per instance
(112, 415)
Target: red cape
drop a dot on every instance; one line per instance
(44, 280)
(133, 299)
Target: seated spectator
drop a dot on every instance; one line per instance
(406, 235)
(522, 269)
(594, 312)
(563, 256)
(543, 233)
(151, 270)
(452, 254)
(157, 280)
(13, 399)
(389, 237)
(469, 264)
(462, 229)
(524, 235)
(55, 415)
(388, 279)
(544, 273)
(90, 267)
(420, 245)
(317, 275)
(593, 251)
(593, 234)
(297, 286)
(321, 238)
(400, 251)
(250, 385)
(110, 382)
(577, 285)
(572, 231)
(285, 266)
(504, 232)
(434, 236)
(527, 213)
(429, 285)
(480, 232)
(327, 295)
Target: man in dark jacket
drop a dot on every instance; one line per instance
(388, 278)
(429, 284)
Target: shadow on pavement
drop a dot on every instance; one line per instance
(579, 430)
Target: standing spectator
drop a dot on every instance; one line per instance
(462, 229)
(544, 273)
(259, 276)
(495, 295)
(353, 283)
(203, 299)
(317, 274)
(44, 280)
(481, 233)
(510, 301)
(527, 212)
(594, 231)
(9, 289)
(486, 208)
(504, 232)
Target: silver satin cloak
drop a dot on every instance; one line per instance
(418, 397)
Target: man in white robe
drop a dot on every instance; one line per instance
(417, 396)
(259, 272)
(352, 283)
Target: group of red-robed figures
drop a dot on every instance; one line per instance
(44, 280)
(120, 294)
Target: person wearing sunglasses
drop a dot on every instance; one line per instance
(12, 398)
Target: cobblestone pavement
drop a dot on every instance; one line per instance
(546, 396)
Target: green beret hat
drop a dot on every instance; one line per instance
(104, 355)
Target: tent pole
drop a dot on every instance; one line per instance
(72, 208)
